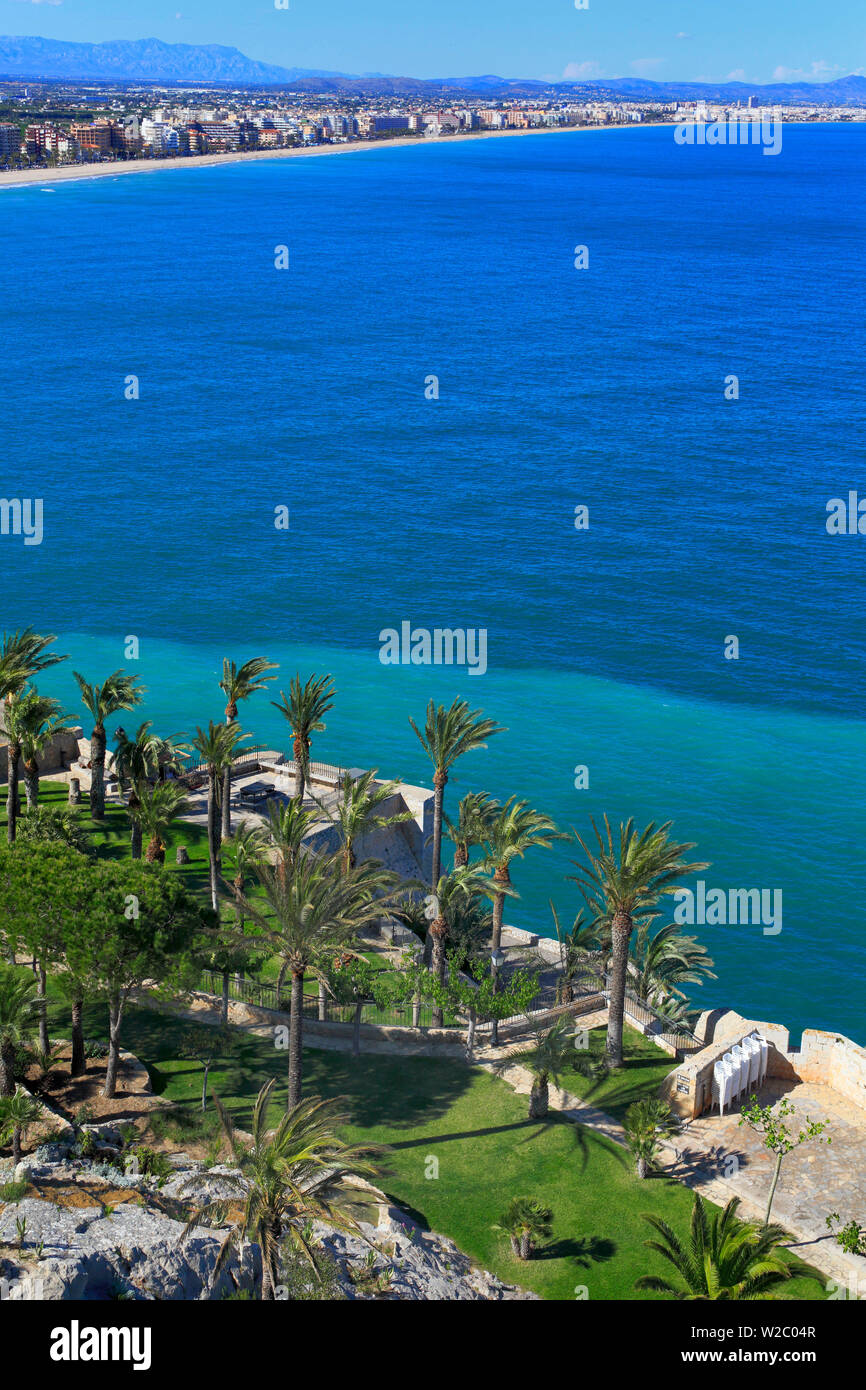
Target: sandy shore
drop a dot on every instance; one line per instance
(115, 169)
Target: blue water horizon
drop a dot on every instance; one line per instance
(557, 388)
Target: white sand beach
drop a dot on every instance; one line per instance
(117, 168)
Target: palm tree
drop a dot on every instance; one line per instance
(514, 829)
(286, 827)
(157, 810)
(448, 734)
(305, 708)
(647, 1122)
(24, 716)
(474, 815)
(248, 844)
(17, 1113)
(216, 746)
(288, 1177)
(310, 917)
(722, 1259)
(358, 809)
(665, 960)
(239, 683)
(554, 1052)
(18, 1012)
(621, 884)
(23, 654)
(117, 693)
(140, 760)
(577, 948)
(525, 1221)
(38, 720)
(453, 891)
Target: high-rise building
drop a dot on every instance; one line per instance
(10, 139)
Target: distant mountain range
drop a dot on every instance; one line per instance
(150, 61)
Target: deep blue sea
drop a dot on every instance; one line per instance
(558, 387)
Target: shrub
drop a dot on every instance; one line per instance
(526, 1221)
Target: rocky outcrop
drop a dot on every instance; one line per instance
(125, 1252)
(129, 1246)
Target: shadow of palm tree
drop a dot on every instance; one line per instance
(586, 1251)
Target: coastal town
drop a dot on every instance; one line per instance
(48, 126)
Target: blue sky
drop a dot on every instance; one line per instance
(753, 40)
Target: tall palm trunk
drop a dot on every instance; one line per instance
(439, 779)
(16, 1145)
(97, 772)
(212, 831)
(224, 1006)
(231, 716)
(14, 758)
(300, 752)
(78, 1064)
(539, 1098)
(269, 1273)
(42, 1004)
(501, 875)
(31, 783)
(135, 833)
(439, 933)
(115, 1014)
(296, 1035)
(621, 929)
(7, 1069)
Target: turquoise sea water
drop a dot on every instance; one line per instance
(558, 387)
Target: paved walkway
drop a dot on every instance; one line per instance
(721, 1160)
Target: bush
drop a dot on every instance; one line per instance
(13, 1191)
(52, 825)
(147, 1163)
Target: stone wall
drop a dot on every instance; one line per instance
(59, 754)
(827, 1059)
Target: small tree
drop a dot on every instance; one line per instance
(525, 1221)
(205, 1045)
(299, 1172)
(647, 1122)
(17, 1113)
(17, 1020)
(141, 927)
(778, 1138)
(554, 1051)
(721, 1258)
(352, 980)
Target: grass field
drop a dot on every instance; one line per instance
(469, 1129)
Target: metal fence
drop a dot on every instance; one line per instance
(322, 1010)
(190, 766)
(656, 1025)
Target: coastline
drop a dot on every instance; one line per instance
(116, 168)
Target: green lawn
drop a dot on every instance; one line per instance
(486, 1150)
(646, 1067)
(110, 838)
